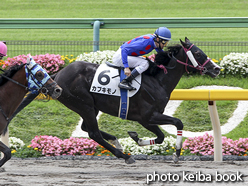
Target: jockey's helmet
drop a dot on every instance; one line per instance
(163, 33)
(3, 49)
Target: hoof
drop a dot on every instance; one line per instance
(130, 160)
(132, 134)
(175, 158)
(116, 144)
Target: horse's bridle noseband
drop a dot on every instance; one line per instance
(195, 63)
(33, 84)
(30, 76)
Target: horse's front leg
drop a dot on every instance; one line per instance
(6, 153)
(110, 138)
(161, 119)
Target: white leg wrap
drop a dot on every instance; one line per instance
(179, 139)
(146, 142)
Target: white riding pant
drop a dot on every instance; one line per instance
(137, 62)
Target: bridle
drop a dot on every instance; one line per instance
(34, 86)
(195, 64)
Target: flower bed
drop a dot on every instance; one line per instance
(15, 144)
(98, 57)
(51, 62)
(166, 148)
(53, 146)
(235, 64)
(204, 145)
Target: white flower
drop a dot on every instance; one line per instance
(130, 146)
(98, 57)
(235, 63)
(15, 143)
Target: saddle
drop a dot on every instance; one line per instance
(113, 65)
(107, 78)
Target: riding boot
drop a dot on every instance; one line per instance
(126, 83)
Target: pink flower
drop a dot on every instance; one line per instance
(50, 62)
(53, 146)
(204, 145)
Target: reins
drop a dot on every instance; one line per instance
(26, 87)
(195, 63)
(164, 68)
(14, 81)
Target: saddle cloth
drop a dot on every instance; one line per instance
(106, 82)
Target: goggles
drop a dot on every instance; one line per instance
(164, 42)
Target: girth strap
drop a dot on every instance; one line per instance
(124, 99)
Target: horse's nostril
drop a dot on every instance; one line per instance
(217, 68)
(58, 90)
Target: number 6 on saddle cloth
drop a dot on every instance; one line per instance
(106, 80)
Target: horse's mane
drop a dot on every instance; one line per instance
(162, 58)
(10, 73)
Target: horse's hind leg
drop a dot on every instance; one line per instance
(112, 139)
(154, 129)
(6, 153)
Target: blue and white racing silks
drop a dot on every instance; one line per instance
(137, 47)
(31, 69)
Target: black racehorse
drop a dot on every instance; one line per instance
(146, 106)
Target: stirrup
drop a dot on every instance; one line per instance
(126, 86)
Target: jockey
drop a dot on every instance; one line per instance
(129, 54)
(3, 49)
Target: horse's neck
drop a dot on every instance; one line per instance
(12, 94)
(171, 79)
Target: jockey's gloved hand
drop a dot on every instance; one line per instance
(127, 71)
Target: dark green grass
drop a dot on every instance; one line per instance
(241, 131)
(195, 114)
(43, 118)
(123, 9)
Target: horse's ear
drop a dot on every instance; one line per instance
(183, 43)
(187, 40)
(30, 61)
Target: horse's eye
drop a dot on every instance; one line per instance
(39, 76)
(198, 54)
